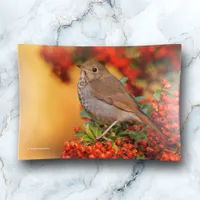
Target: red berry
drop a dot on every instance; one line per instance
(164, 157)
(108, 154)
(76, 129)
(130, 146)
(144, 143)
(97, 153)
(77, 145)
(72, 144)
(67, 157)
(125, 157)
(63, 154)
(102, 156)
(130, 154)
(125, 145)
(82, 149)
(118, 141)
(103, 149)
(91, 156)
(127, 139)
(98, 145)
(134, 152)
(136, 127)
(124, 150)
(113, 151)
(108, 145)
(89, 149)
(67, 145)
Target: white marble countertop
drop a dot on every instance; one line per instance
(99, 22)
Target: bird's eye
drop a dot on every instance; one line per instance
(94, 69)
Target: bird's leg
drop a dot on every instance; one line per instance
(106, 131)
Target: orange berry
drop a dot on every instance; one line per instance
(97, 153)
(118, 141)
(76, 129)
(103, 149)
(130, 146)
(63, 154)
(89, 149)
(102, 156)
(67, 146)
(91, 156)
(134, 152)
(130, 154)
(108, 154)
(108, 145)
(164, 157)
(98, 145)
(72, 143)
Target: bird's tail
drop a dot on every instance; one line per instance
(146, 120)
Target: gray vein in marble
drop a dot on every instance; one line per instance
(188, 114)
(193, 58)
(6, 122)
(136, 171)
(3, 174)
(111, 3)
(125, 38)
(33, 12)
(80, 18)
(86, 186)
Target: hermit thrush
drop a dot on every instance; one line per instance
(106, 98)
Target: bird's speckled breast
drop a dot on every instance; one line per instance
(99, 110)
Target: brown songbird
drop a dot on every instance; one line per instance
(106, 98)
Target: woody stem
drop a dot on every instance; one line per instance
(106, 131)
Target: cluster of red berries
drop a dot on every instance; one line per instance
(59, 58)
(151, 53)
(166, 115)
(120, 148)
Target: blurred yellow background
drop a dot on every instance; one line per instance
(49, 108)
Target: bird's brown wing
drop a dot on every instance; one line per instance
(112, 91)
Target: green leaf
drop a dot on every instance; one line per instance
(157, 94)
(84, 114)
(130, 133)
(159, 91)
(97, 131)
(124, 80)
(146, 107)
(139, 98)
(80, 133)
(87, 139)
(94, 123)
(115, 146)
(115, 129)
(141, 135)
(89, 132)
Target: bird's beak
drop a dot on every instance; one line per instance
(80, 66)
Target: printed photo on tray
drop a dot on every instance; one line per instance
(99, 102)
